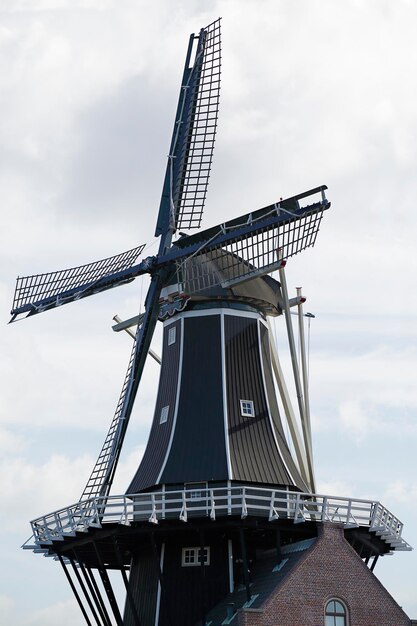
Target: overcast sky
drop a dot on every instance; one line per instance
(313, 92)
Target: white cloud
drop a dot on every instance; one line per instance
(7, 609)
(30, 490)
(64, 613)
(354, 420)
(10, 442)
(403, 492)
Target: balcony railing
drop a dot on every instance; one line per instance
(240, 501)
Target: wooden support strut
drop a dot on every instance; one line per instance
(107, 586)
(376, 557)
(94, 593)
(74, 590)
(84, 590)
(129, 595)
(94, 583)
(203, 578)
(161, 580)
(245, 562)
(278, 545)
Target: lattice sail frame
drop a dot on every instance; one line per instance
(39, 287)
(255, 254)
(191, 169)
(100, 476)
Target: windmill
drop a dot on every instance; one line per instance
(217, 455)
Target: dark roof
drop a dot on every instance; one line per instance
(266, 574)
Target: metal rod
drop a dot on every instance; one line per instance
(74, 590)
(304, 371)
(245, 562)
(129, 595)
(134, 321)
(297, 380)
(288, 409)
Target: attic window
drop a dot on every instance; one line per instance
(247, 408)
(164, 414)
(336, 614)
(172, 335)
(192, 556)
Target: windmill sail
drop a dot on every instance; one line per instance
(102, 474)
(254, 245)
(37, 293)
(192, 145)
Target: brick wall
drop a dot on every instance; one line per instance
(250, 617)
(331, 568)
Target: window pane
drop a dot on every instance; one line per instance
(329, 621)
(339, 608)
(340, 621)
(172, 333)
(247, 408)
(164, 414)
(330, 608)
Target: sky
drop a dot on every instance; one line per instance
(313, 92)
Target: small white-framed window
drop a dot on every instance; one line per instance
(172, 335)
(336, 613)
(191, 557)
(164, 414)
(247, 408)
(195, 491)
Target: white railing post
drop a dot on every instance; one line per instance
(273, 513)
(229, 498)
(324, 509)
(244, 512)
(163, 500)
(183, 513)
(212, 506)
(153, 518)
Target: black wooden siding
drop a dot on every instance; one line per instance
(198, 447)
(253, 452)
(156, 449)
(274, 410)
(197, 451)
(187, 589)
(143, 584)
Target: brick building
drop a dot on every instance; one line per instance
(319, 582)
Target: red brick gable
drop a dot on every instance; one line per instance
(330, 568)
